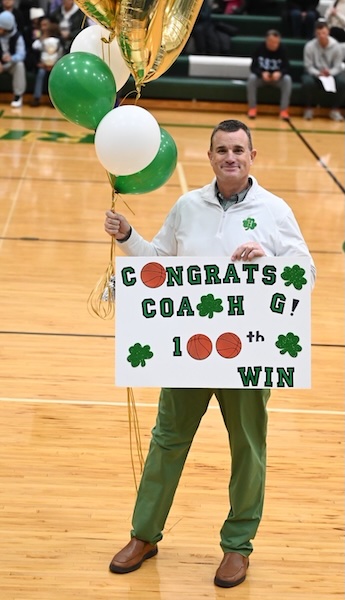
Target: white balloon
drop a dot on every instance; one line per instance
(90, 40)
(127, 140)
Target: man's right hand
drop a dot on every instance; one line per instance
(116, 225)
(266, 75)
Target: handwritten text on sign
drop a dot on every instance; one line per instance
(207, 322)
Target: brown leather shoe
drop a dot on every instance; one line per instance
(132, 556)
(232, 570)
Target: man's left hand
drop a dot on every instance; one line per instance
(248, 251)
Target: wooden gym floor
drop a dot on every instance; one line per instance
(67, 487)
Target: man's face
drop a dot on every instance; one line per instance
(68, 4)
(322, 35)
(44, 26)
(8, 4)
(231, 157)
(272, 42)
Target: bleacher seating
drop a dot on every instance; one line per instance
(221, 78)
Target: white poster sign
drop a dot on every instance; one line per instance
(209, 323)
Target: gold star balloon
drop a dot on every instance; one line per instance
(151, 33)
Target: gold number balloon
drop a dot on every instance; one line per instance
(151, 33)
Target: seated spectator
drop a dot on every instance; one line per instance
(323, 58)
(70, 20)
(202, 24)
(208, 37)
(36, 15)
(12, 56)
(270, 66)
(34, 32)
(335, 19)
(12, 7)
(49, 49)
(21, 16)
(302, 15)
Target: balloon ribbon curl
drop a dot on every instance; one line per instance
(101, 302)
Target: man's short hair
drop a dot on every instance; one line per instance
(231, 125)
(273, 32)
(320, 24)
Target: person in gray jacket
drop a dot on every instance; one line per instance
(12, 56)
(323, 58)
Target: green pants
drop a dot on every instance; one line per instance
(179, 415)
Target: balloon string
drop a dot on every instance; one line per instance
(112, 181)
(134, 428)
(128, 94)
(105, 41)
(101, 302)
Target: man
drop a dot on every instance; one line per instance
(323, 58)
(70, 19)
(270, 66)
(12, 56)
(209, 222)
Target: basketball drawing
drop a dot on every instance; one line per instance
(199, 346)
(228, 345)
(153, 275)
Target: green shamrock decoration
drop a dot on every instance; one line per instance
(209, 305)
(294, 276)
(289, 343)
(138, 355)
(249, 223)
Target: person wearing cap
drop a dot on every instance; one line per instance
(20, 11)
(12, 56)
(36, 14)
(34, 33)
(16, 12)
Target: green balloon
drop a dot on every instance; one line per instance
(154, 175)
(82, 88)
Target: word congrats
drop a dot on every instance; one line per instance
(201, 322)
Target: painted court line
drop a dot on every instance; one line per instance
(154, 405)
(182, 178)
